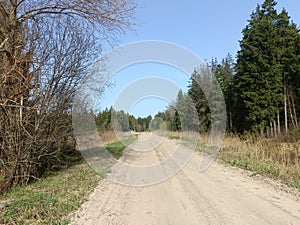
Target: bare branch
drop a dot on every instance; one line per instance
(45, 47)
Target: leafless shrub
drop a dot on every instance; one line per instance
(45, 46)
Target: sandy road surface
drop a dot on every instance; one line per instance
(221, 195)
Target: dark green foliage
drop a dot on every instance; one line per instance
(266, 61)
(103, 120)
(176, 121)
(258, 78)
(171, 119)
(109, 119)
(120, 120)
(132, 123)
(181, 115)
(199, 99)
(206, 93)
(187, 112)
(289, 61)
(143, 123)
(224, 73)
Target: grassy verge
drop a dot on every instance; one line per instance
(116, 148)
(272, 158)
(188, 139)
(50, 200)
(172, 137)
(278, 159)
(108, 137)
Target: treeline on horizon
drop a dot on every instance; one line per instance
(109, 119)
(261, 88)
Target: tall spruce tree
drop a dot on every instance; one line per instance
(176, 125)
(187, 112)
(288, 55)
(258, 80)
(224, 74)
(199, 99)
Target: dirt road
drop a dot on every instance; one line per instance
(221, 195)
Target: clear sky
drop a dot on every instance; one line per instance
(209, 28)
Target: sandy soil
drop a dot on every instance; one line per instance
(220, 195)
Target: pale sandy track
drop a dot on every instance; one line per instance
(221, 195)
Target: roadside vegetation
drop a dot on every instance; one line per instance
(270, 157)
(46, 49)
(51, 199)
(275, 158)
(116, 148)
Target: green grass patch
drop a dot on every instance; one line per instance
(50, 200)
(53, 198)
(116, 148)
(172, 137)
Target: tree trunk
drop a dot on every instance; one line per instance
(278, 123)
(285, 110)
(293, 109)
(275, 129)
(271, 130)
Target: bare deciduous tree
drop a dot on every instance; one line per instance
(45, 45)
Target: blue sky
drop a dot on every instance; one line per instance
(208, 28)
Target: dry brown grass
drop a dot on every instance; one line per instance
(110, 136)
(270, 157)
